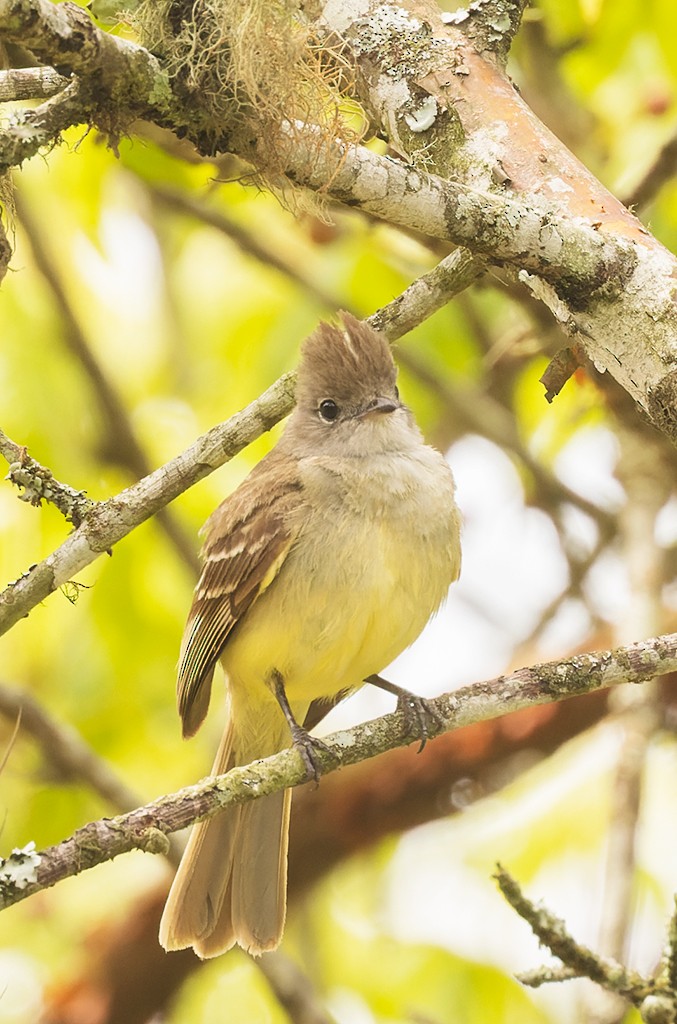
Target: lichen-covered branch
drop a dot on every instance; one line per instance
(503, 185)
(449, 108)
(110, 521)
(578, 960)
(65, 36)
(147, 827)
(490, 24)
(654, 996)
(28, 131)
(429, 292)
(37, 483)
(116, 80)
(30, 84)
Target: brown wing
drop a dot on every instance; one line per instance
(248, 538)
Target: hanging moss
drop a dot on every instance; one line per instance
(241, 68)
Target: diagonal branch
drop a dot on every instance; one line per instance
(109, 521)
(64, 35)
(113, 519)
(525, 201)
(69, 756)
(147, 827)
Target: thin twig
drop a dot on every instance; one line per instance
(580, 961)
(70, 758)
(115, 518)
(147, 828)
(293, 989)
(427, 294)
(121, 443)
(12, 741)
(658, 174)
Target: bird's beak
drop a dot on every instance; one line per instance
(379, 404)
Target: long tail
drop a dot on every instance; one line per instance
(231, 885)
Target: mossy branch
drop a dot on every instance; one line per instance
(655, 996)
(147, 827)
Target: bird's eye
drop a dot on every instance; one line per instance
(328, 410)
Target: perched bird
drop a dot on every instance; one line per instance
(323, 565)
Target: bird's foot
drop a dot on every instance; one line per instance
(421, 719)
(310, 747)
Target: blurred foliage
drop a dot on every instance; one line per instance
(187, 326)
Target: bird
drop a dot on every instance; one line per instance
(318, 570)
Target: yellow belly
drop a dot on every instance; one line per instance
(327, 623)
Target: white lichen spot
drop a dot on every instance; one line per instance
(455, 17)
(485, 150)
(372, 180)
(501, 24)
(340, 14)
(387, 22)
(344, 739)
(424, 116)
(558, 185)
(390, 93)
(389, 97)
(20, 868)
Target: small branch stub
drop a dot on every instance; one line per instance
(37, 483)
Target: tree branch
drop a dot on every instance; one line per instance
(523, 199)
(490, 24)
(578, 960)
(147, 827)
(113, 519)
(65, 36)
(655, 997)
(30, 83)
(109, 521)
(28, 131)
(69, 757)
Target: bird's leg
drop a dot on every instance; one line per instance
(420, 717)
(307, 745)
